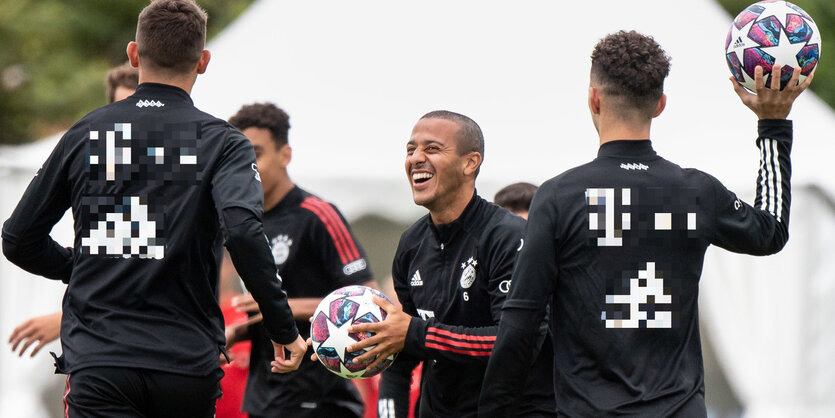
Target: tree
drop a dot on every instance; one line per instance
(54, 55)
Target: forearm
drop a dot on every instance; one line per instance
(37, 254)
(433, 340)
(507, 370)
(303, 308)
(251, 255)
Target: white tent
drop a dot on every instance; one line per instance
(355, 76)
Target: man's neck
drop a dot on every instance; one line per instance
(183, 82)
(279, 193)
(449, 211)
(618, 130)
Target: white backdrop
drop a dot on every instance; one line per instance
(355, 76)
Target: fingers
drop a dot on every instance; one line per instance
(759, 79)
(283, 364)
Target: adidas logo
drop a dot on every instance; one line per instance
(149, 103)
(416, 280)
(633, 166)
(738, 42)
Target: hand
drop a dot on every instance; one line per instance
(283, 365)
(771, 102)
(389, 338)
(43, 329)
(245, 303)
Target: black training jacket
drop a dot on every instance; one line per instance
(616, 247)
(155, 186)
(453, 279)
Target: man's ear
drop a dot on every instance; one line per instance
(203, 62)
(662, 103)
(472, 162)
(594, 100)
(285, 154)
(133, 54)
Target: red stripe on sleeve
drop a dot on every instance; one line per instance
(455, 350)
(331, 214)
(461, 336)
(345, 246)
(488, 346)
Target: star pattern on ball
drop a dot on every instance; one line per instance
(785, 52)
(338, 339)
(365, 307)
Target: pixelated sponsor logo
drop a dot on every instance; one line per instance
(281, 248)
(425, 314)
(659, 216)
(521, 245)
(121, 153)
(642, 299)
(354, 266)
(122, 226)
(504, 286)
(468, 275)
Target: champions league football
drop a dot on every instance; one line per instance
(772, 31)
(329, 331)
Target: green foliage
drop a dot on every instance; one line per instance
(824, 14)
(54, 55)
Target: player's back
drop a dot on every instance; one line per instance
(632, 232)
(143, 175)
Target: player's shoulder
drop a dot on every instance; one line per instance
(413, 235)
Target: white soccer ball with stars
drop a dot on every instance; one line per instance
(772, 31)
(329, 330)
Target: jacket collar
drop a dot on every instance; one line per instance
(162, 93)
(627, 148)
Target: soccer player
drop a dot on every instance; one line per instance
(516, 198)
(451, 273)
(617, 245)
(155, 187)
(316, 253)
(120, 83)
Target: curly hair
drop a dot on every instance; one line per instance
(266, 116)
(631, 67)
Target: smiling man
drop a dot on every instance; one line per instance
(451, 273)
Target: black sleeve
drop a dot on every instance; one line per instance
(236, 189)
(516, 346)
(395, 387)
(26, 240)
(764, 228)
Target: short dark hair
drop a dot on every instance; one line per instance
(516, 197)
(631, 68)
(469, 138)
(171, 34)
(266, 116)
(124, 75)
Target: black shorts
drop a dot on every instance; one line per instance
(129, 392)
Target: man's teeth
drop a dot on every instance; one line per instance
(421, 176)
